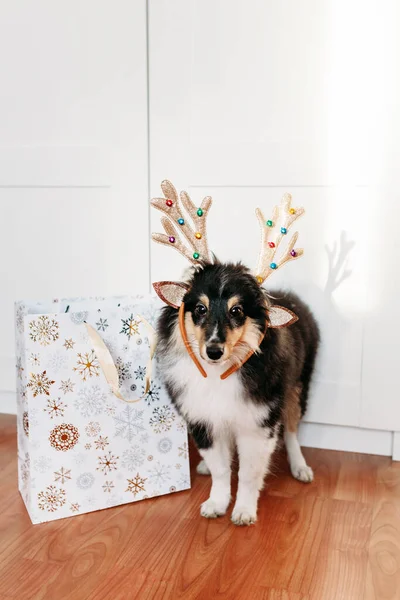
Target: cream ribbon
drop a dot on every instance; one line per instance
(108, 367)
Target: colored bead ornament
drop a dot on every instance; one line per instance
(283, 230)
(259, 279)
(181, 221)
(269, 223)
(172, 239)
(273, 266)
(293, 253)
(169, 203)
(199, 212)
(196, 255)
(197, 235)
(292, 211)
(271, 244)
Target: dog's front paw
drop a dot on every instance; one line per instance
(210, 509)
(243, 516)
(302, 473)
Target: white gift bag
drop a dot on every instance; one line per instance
(95, 428)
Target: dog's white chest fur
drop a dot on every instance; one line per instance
(221, 404)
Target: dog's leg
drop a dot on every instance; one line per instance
(202, 468)
(255, 451)
(217, 460)
(298, 466)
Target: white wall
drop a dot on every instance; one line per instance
(73, 155)
(253, 99)
(247, 100)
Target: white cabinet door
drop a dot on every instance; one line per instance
(73, 154)
(251, 99)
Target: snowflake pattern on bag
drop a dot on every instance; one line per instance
(136, 484)
(129, 423)
(81, 448)
(40, 384)
(43, 330)
(51, 499)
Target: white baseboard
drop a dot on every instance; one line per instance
(314, 435)
(396, 445)
(8, 403)
(348, 439)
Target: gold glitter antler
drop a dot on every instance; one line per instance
(272, 233)
(171, 206)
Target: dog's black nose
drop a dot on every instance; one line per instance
(214, 352)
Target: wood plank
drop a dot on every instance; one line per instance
(338, 538)
(340, 569)
(383, 574)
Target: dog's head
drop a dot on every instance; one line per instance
(224, 306)
(226, 311)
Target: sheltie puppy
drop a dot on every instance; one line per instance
(226, 313)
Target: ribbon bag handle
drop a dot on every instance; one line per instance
(107, 364)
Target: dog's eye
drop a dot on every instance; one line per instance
(200, 310)
(236, 311)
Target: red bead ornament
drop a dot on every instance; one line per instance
(169, 203)
(271, 244)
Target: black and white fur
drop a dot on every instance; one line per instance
(251, 408)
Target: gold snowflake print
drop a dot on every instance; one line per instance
(130, 326)
(62, 475)
(88, 365)
(69, 344)
(110, 410)
(88, 446)
(67, 386)
(51, 499)
(107, 463)
(74, 507)
(19, 367)
(181, 426)
(108, 486)
(183, 450)
(93, 429)
(55, 408)
(64, 437)
(136, 484)
(25, 423)
(35, 360)
(178, 466)
(43, 330)
(40, 384)
(101, 443)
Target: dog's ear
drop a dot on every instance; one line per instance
(281, 317)
(171, 292)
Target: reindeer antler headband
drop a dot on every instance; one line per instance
(273, 231)
(197, 238)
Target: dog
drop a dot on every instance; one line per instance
(226, 313)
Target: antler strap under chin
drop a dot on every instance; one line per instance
(231, 369)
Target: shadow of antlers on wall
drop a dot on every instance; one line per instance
(333, 321)
(338, 261)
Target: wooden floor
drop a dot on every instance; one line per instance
(337, 538)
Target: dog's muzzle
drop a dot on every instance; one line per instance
(214, 351)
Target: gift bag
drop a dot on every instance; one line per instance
(95, 425)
